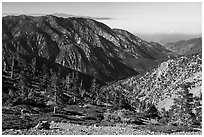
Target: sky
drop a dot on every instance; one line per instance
(136, 17)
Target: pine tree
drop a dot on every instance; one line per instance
(75, 78)
(120, 94)
(44, 69)
(53, 83)
(4, 62)
(33, 66)
(82, 92)
(68, 82)
(12, 65)
(44, 78)
(74, 89)
(107, 98)
(80, 88)
(198, 109)
(60, 90)
(182, 108)
(23, 89)
(94, 91)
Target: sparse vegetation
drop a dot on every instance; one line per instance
(186, 111)
(170, 81)
(51, 76)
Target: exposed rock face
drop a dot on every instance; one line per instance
(187, 47)
(81, 44)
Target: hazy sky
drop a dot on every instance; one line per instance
(136, 17)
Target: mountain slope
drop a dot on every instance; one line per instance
(81, 44)
(161, 85)
(186, 47)
(140, 54)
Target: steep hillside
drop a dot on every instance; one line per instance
(162, 85)
(186, 47)
(140, 54)
(81, 44)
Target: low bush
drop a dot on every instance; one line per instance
(111, 116)
(120, 116)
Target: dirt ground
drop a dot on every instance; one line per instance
(74, 129)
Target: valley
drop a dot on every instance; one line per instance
(78, 72)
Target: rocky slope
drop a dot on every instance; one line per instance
(186, 47)
(81, 44)
(161, 85)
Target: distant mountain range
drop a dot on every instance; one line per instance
(162, 38)
(166, 38)
(63, 15)
(186, 47)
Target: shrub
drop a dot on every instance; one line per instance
(122, 116)
(163, 121)
(152, 112)
(111, 116)
(164, 117)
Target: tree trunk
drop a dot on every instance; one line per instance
(12, 67)
(54, 109)
(4, 66)
(55, 98)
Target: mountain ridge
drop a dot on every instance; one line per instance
(165, 38)
(186, 47)
(79, 43)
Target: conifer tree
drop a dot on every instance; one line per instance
(53, 83)
(60, 89)
(12, 65)
(198, 109)
(75, 78)
(23, 89)
(75, 89)
(68, 82)
(4, 62)
(33, 66)
(182, 108)
(44, 78)
(94, 91)
(81, 91)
